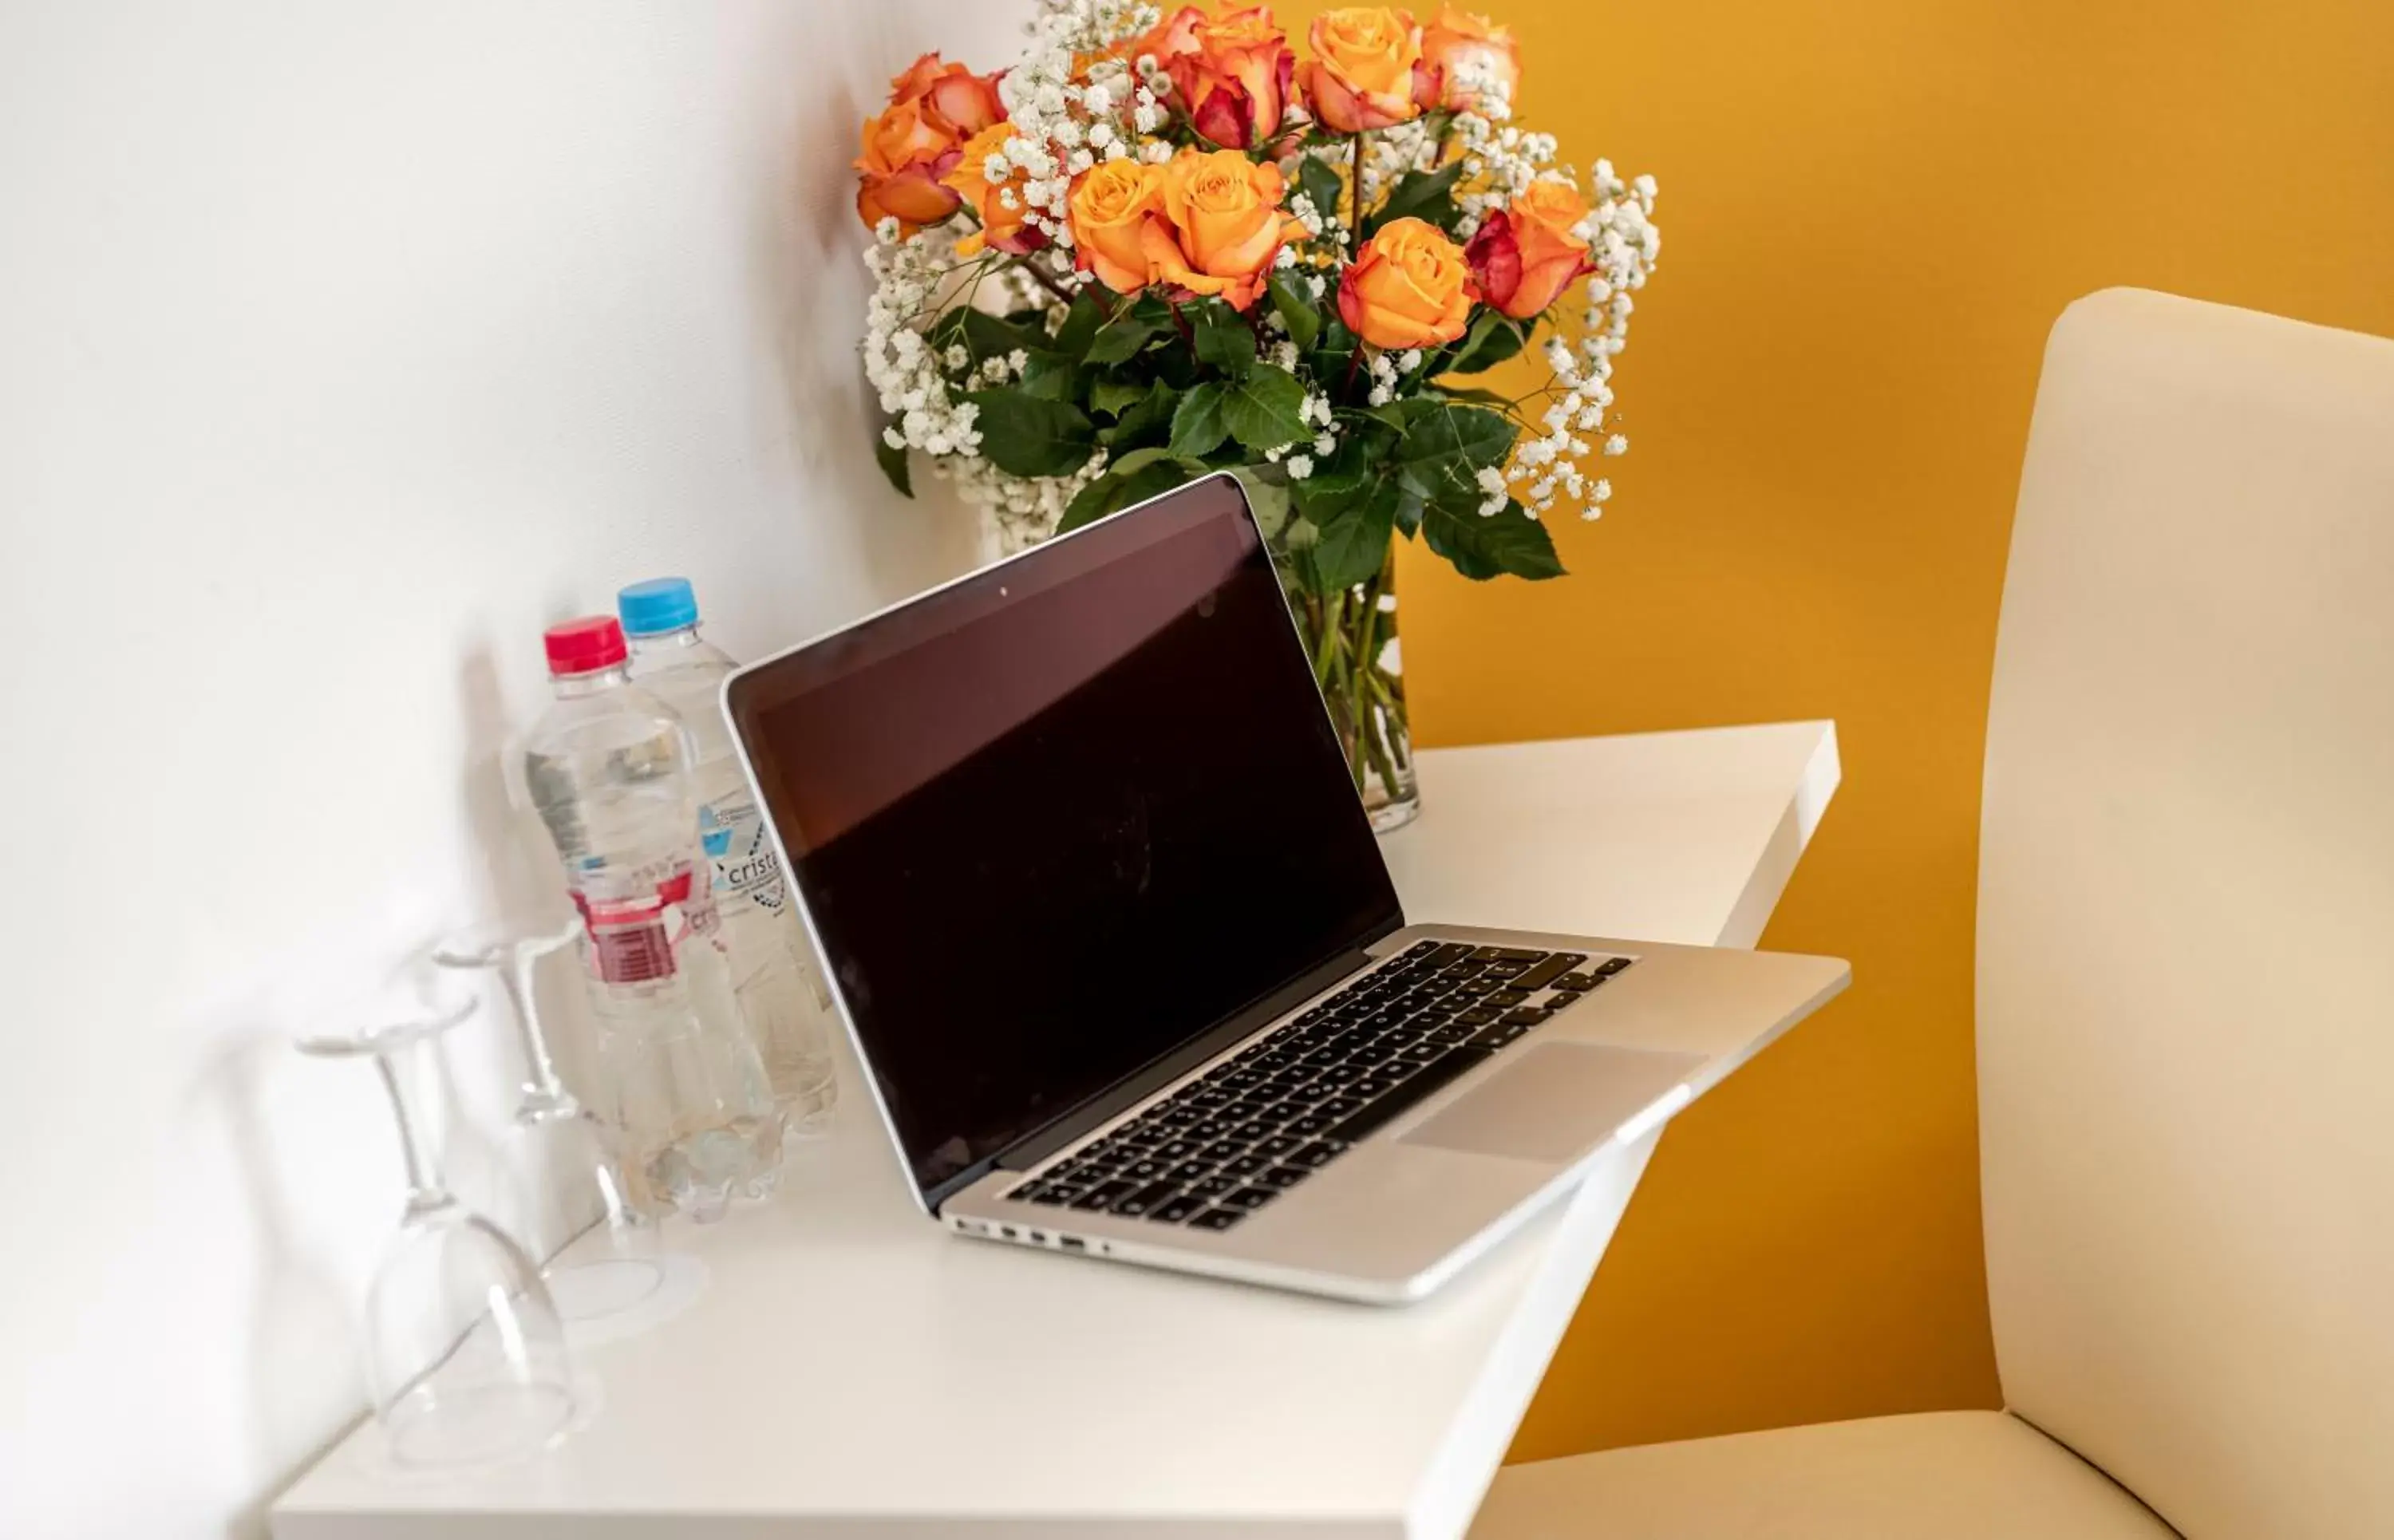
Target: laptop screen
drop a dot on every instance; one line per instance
(1053, 821)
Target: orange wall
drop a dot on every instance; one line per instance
(1872, 210)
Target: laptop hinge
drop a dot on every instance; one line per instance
(1035, 1147)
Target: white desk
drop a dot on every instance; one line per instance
(853, 1370)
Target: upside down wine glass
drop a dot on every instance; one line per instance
(565, 1149)
(466, 1356)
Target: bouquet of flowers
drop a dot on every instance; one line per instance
(1158, 246)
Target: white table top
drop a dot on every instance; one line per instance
(853, 1369)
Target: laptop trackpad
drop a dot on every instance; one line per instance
(1553, 1101)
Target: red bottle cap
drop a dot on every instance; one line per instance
(581, 646)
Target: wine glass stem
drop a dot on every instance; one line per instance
(424, 1191)
(517, 978)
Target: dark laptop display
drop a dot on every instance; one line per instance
(1058, 818)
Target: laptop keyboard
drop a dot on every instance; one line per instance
(1292, 1101)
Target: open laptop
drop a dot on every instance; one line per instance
(1112, 936)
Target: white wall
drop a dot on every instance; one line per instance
(342, 347)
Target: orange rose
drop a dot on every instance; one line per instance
(1222, 225)
(1112, 203)
(1524, 257)
(1410, 287)
(1232, 74)
(1361, 75)
(1007, 229)
(906, 153)
(1469, 54)
(951, 96)
(1174, 35)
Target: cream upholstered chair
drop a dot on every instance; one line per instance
(2185, 997)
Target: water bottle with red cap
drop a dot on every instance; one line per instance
(609, 769)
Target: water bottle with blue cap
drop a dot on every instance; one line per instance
(777, 989)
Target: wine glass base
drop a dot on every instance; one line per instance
(609, 1298)
(589, 1291)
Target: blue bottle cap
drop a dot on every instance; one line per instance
(659, 605)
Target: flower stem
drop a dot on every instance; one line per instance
(1027, 265)
(1355, 171)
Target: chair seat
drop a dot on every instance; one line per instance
(1934, 1476)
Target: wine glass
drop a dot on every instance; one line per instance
(563, 1146)
(466, 1356)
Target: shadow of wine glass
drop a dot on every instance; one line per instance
(303, 1327)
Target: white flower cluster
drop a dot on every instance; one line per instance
(1063, 125)
(1301, 209)
(915, 279)
(1023, 510)
(1499, 161)
(908, 278)
(1391, 152)
(1624, 242)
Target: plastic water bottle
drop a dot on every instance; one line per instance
(609, 767)
(779, 993)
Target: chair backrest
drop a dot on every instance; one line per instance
(2185, 918)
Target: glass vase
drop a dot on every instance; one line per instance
(1351, 636)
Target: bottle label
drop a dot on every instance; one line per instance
(747, 868)
(634, 941)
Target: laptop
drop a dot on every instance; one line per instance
(1127, 974)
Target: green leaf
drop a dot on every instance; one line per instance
(1223, 339)
(1413, 494)
(892, 461)
(1147, 420)
(1111, 396)
(1139, 459)
(1360, 473)
(1331, 359)
(1266, 500)
(1297, 312)
(990, 337)
(1118, 341)
(1116, 491)
(1353, 545)
(1450, 443)
(1493, 337)
(1348, 472)
(1421, 195)
(1391, 415)
(1319, 180)
(1261, 411)
(1051, 376)
(1197, 425)
(1081, 323)
(1473, 393)
(1027, 435)
(1481, 546)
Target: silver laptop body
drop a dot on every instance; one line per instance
(1115, 944)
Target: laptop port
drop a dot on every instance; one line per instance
(1006, 1231)
(1036, 1238)
(1073, 1242)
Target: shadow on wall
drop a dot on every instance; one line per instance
(810, 263)
(313, 1166)
(304, 1374)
